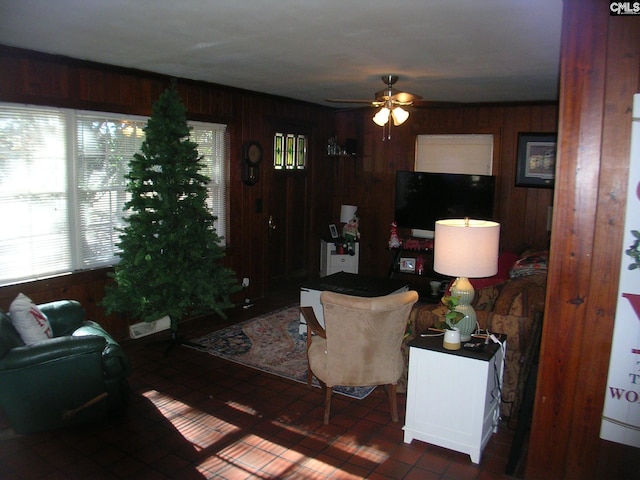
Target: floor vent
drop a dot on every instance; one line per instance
(143, 329)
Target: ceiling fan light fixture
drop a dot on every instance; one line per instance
(382, 117)
(399, 115)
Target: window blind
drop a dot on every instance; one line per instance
(63, 186)
(212, 140)
(104, 146)
(472, 154)
(33, 193)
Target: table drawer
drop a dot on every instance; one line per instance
(344, 261)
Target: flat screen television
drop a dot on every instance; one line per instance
(422, 198)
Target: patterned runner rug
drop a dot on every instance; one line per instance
(270, 343)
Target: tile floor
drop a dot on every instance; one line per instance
(193, 416)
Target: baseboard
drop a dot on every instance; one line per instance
(143, 329)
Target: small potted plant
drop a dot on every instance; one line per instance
(451, 318)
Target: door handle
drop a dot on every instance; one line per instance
(272, 224)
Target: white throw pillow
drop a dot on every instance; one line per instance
(32, 325)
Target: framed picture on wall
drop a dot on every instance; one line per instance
(333, 230)
(536, 161)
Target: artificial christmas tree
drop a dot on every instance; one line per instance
(170, 259)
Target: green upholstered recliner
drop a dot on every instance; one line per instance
(76, 376)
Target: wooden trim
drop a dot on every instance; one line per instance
(599, 72)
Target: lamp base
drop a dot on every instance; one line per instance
(463, 289)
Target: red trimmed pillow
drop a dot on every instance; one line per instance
(31, 324)
(530, 263)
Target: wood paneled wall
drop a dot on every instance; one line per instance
(35, 78)
(369, 180)
(600, 73)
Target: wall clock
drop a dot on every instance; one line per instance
(251, 158)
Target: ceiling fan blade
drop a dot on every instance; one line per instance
(405, 97)
(435, 104)
(346, 100)
(396, 96)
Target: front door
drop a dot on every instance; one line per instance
(288, 208)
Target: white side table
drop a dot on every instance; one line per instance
(333, 262)
(453, 397)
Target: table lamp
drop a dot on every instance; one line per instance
(347, 212)
(466, 248)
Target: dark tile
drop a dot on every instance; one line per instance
(194, 416)
(392, 468)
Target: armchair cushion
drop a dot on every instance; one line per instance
(9, 337)
(31, 324)
(52, 350)
(317, 354)
(114, 362)
(65, 316)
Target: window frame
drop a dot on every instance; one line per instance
(290, 151)
(75, 159)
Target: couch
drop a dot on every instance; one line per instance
(76, 374)
(511, 303)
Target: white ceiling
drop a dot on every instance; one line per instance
(443, 50)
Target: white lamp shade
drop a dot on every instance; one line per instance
(466, 248)
(382, 117)
(399, 115)
(347, 212)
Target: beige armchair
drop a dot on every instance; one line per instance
(360, 344)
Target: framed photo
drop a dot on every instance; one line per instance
(333, 230)
(536, 163)
(408, 264)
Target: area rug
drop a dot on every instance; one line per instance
(270, 343)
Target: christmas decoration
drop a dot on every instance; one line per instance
(170, 259)
(351, 234)
(394, 241)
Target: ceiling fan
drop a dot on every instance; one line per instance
(388, 96)
(390, 99)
